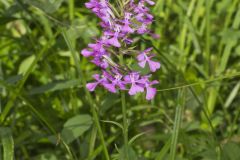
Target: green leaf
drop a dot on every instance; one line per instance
(136, 67)
(232, 95)
(24, 66)
(75, 127)
(136, 137)
(177, 123)
(230, 35)
(8, 144)
(48, 6)
(14, 79)
(131, 153)
(231, 151)
(115, 123)
(47, 156)
(55, 86)
(5, 20)
(108, 102)
(164, 150)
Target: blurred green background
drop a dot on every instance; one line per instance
(46, 113)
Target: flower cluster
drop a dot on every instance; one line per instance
(119, 26)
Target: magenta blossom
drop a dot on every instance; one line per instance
(100, 80)
(134, 79)
(150, 91)
(144, 58)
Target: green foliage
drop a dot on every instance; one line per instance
(46, 113)
(75, 127)
(7, 143)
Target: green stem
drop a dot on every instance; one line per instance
(71, 9)
(208, 41)
(96, 120)
(89, 97)
(124, 113)
(92, 141)
(125, 124)
(177, 124)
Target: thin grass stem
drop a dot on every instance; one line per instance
(124, 113)
(208, 41)
(71, 9)
(177, 123)
(89, 97)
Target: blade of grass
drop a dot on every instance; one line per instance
(232, 95)
(8, 143)
(91, 102)
(98, 150)
(164, 150)
(177, 123)
(125, 124)
(208, 34)
(71, 9)
(131, 141)
(92, 141)
(227, 22)
(202, 82)
(55, 86)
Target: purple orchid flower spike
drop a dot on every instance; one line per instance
(133, 79)
(118, 31)
(143, 58)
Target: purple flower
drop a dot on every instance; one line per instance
(92, 4)
(116, 79)
(126, 27)
(100, 61)
(86, 53)
(149, 2)
(141, 8)
(114, 40)
(100, 80)
(143, 58)
(142, 29)
(134, 79)
(151, 92)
